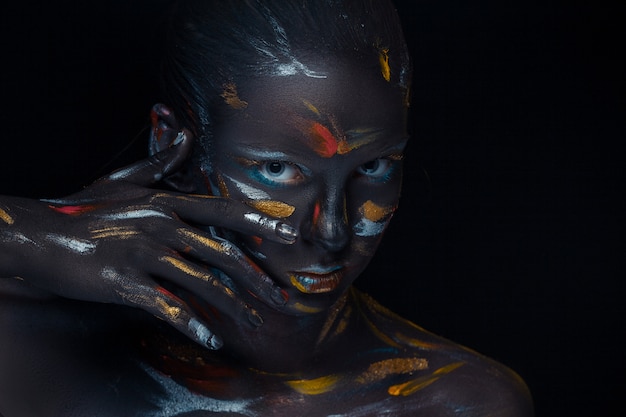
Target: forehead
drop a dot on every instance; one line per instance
(341, 103)
(335, 88)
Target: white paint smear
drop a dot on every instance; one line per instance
(250, 192)
(180, 400)
(136, 214)
(369, 228)
(80, 246)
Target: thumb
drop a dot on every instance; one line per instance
(157, 166)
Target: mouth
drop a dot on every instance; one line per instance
(316, 280)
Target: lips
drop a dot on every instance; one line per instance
(316, 280)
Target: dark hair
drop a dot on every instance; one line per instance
(214, 43)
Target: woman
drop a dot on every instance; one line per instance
(276, 166)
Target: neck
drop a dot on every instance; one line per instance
(284, 343)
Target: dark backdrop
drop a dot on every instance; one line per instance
(509, 238)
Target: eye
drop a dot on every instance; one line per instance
(377, 169)
(279, 172)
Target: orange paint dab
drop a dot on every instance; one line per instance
(325, 143)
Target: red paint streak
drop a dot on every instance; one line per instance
(257, 239)
(252, 294)
(168, 294)
(154, 119)
(316, 213)
(325, 143)
(74, 210)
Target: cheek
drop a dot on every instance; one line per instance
(372, 219)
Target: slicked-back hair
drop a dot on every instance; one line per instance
(211, 43)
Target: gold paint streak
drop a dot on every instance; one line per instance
(355, 138)
(369, 303)
(306, 309)
(311, 107)
(221, 184)
(373, 212)
(448, 368)
(205, 241)
(381, 370)
(4, 216)
(171, 312)
(314, 386)
(332, 318)
(297, 284)
(192, 197)
(181, 266)
(231, 97)
(273, 208)
(343, 324)
(114, 232)
(380, 309)
(414, 342)
(417, 384)
(383, 59)
(411, 387)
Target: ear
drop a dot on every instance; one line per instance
(164, 130)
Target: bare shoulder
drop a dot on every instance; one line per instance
(455, 380)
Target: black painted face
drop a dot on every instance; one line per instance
(325, 154)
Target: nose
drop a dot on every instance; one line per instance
(328, 228)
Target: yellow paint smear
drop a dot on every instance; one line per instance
(373, 212)
(332, 318)
(273, 208)
(221, 184)
(306, 309)
(181, 266)
(344, 147)
(114, 232)
(231, 97)
(4, 216)
(414, 342)
(205, 241)
(314, 386)
(411, 387)
(396, 366)
(383, 59)
(311, 107)
(169, 311)
(297, 284)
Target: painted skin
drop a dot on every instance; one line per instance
(320, 154)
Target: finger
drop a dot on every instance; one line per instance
(168, 307)
(208, 286)
(231, 260)
(229, 214)
(157, 166)
(140, 292)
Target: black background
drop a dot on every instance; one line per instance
(509, 238)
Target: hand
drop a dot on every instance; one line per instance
(118, 240)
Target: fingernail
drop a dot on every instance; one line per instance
(204, 335)
(179, 138)
(286, 232)
(215, 342)
(255, 318)
(279, 296)
(161, 110)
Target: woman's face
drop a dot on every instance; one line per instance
(325, 154)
